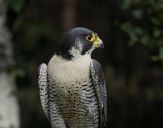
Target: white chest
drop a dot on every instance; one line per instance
(68, 72)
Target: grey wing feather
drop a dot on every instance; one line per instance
(100, 87)
(43, 87)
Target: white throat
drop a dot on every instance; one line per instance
(69, 71)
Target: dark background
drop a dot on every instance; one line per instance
(132, 59)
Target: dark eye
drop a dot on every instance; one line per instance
(88, 37)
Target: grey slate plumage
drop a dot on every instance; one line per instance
(100, 87)
(72, 87)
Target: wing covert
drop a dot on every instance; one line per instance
(43, 87)
(100, 87)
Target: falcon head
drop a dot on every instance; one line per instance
(77, 42)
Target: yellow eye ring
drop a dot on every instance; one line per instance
(89, 37)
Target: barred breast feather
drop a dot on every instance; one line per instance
(74, 93)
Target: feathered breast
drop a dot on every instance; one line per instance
(63, 70)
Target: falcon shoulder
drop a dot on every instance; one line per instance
(100, 87)
(43, 87)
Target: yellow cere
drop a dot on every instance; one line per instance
(94, 39)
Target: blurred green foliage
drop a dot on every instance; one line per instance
(143, 23)
(17, 5)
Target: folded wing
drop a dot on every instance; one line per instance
(100, 87)
(43, 86)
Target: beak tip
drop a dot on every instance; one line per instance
(102, 45)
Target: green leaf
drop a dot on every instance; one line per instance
(126, 4)
(161, 53)
(155, 58)
(17, 5)
(145, 40)
(138, 30)
(155, 21)
(137, 13)
(156, 33)
(133, 39)
(126, 27)
(17, 72)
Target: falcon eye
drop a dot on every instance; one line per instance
(89, 37)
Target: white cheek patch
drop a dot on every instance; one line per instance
(77, 49)
(75, 52)
(80, 46)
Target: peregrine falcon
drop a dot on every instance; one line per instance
(72, 85)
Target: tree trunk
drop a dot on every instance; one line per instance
(68, 14)
(9, 110)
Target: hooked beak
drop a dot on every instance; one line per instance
(101, 45)
(98, 43)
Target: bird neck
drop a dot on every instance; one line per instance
(64, 54)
